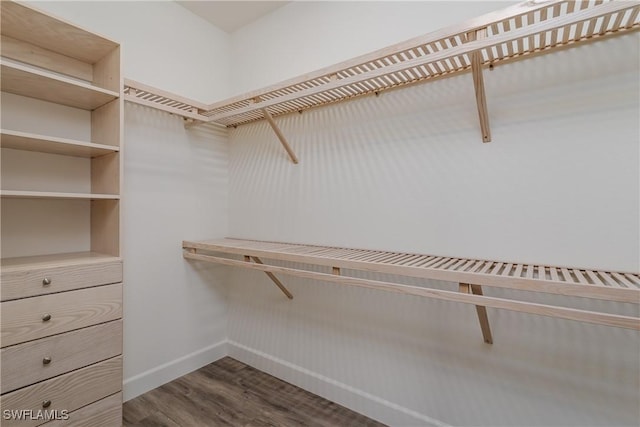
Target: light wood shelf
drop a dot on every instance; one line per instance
(27, 263)
(28, 24)
(470, 274)
(47, 86)
(27, 141)
(20, 194)
(520, 31)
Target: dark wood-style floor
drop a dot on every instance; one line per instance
(230, 393)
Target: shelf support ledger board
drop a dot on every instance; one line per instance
(470, 274)
(521, 31)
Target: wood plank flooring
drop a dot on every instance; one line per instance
(230, 393)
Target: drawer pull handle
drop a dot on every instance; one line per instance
(46, 317)
(46, 281)
(46, 403)
(46, 360)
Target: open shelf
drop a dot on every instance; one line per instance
(19, 194)
(47, 86)
(27, 263)
(520, 31)
(53, 145)
(23, 22)
(471, 274)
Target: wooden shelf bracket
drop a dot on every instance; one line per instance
(273, 278)
(466, 288)
(478, 84)
(280, 135)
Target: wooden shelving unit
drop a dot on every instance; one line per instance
(518, 32)
(470, 274)
(54, 300)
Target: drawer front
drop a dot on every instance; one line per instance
(67, 392)
(40, 281)
(38, 360)
(33, 318)
(104, 413)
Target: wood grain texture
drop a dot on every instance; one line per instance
(105, 227)
(105, 174)
(106, 412)
(69, 391)
(26, 141)
(22, 51)
(230, 393)
(27, 23)
(107, 71)
(106, 124)
(22, 320)
(23, 365)
(27, 279)
(46, 86)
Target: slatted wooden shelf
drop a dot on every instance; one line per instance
(27, 141)
(575, 282)
(48, 86)
(526, 29)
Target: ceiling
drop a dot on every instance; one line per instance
(231, 15)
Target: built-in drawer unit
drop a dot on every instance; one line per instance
(67, 392)
(38, 317)
(104, 413)
(38, 360)
(20, 281)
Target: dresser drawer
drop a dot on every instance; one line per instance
(104, 413)
(32, 318)
(67, 392)
(38, 360)
(20, 282)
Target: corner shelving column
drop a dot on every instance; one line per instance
(61, 217)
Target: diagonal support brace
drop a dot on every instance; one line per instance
(478, 84)
(272, 277)
(480, 309)
(283, 140)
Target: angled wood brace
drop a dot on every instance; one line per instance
(273, 278)
(480, 309)
(478, 84)
(279, 134)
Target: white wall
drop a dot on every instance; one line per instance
(407, 171)
(175, 188)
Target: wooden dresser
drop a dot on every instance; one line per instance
(61, 268)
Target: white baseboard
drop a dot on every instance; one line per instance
(350, 397)
(169, 371)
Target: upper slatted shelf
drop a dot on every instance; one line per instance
(523, 30)
(527, 28)
(599, 284)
